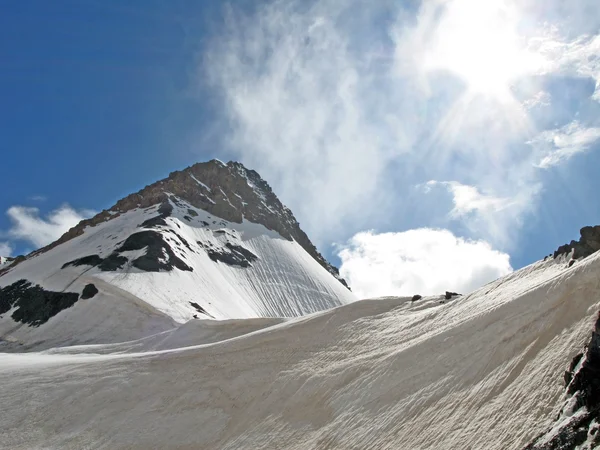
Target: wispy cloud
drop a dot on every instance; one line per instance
(576, 57)
(343, 112)
(421, 261)
(296, 96)
(561, 144)
(28, 225)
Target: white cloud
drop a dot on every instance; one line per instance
(5, 249)
(28, 225)
(468, 199)
(560, 144)
(421, 261)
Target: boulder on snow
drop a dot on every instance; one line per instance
(449, 295)
(88, 291)
(416, 297)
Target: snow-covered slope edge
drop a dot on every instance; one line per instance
(482, 371)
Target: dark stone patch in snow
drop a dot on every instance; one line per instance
(89, 291)
(34, 304)
(188, 218)
(192, 213)
(231, 254)
(154, 222)
(416, 297)
(91, 260)
(583, 389)
(205, 223)
(187, 245)
(164, 210)
(200, 309)
(159, 255)
(113, 262)
(449, 295)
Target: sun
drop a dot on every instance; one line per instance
(477, 40)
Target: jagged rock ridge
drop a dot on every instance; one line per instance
(229, 191)
(585, 246)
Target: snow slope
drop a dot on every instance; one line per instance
(482, 371)
(253, 272)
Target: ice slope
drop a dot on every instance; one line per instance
(482, 371)
(283, 280)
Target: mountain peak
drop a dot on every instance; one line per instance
(227, 190)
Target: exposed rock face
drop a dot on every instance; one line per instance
(229, 191)
(89, 291)
(234, 255)
(578, 424)
(34, 304)
(585, 246)
(158, 255)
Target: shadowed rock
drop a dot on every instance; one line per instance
(231, 254)
(34, 304)
(158, 257)
(582, 381)
(588, 243)
(89, 291)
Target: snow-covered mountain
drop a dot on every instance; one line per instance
(512, 365)
(211, 241)
(109, 341)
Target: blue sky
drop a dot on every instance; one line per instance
(418, 143)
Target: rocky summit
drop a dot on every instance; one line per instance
(211, 241)
(228, 191)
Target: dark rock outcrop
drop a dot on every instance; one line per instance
(449, 295)
(231, 254)
(582, 381)
(90, 260)
(89, 291)
(416, 297)
(158, 257)
(156, 248)
(229, 191)
(200, 309)
(34, 304)
(588, 243)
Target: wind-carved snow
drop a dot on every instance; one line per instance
(481, 371)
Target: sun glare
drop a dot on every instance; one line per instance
(477, 40)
